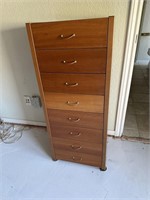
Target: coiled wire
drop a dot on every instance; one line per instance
(11, 133)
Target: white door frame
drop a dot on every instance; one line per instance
(130, 51)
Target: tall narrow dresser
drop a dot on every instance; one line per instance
(72, 61)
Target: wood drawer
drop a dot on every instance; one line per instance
(74, 83)
(75, 119)
(77, 146)
(77, 133)
(75, 102)
(71, 34)
(72, 60)
(88, 159)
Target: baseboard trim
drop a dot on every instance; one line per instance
(33, 123)
(25, 122)
(112, 133)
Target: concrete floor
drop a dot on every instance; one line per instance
(28, 173)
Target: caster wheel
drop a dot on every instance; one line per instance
(103, 169)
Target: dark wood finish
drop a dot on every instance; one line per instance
(74, 83)
(88, 34)
(77, 133)
(87, 120)
(77, 146)
(36, 67)
(87, 60)
(106, 104)
(75, 102)
(88, 159)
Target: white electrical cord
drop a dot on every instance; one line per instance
(11, 133)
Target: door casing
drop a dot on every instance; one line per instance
(130, 51)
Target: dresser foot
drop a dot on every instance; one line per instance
(54, 159)
(103, 169)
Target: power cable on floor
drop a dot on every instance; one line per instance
(11, 133)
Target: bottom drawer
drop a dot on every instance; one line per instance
(76, 151)
(87, 159)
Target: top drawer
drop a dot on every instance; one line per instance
(71, 34)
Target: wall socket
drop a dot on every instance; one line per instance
(27, 100)
(34, 101)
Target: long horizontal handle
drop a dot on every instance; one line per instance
(73, 120)
(72, 103)
(69, 62)
(75, 134)
(71, 84)
(74, 147)
(76, 158)
(68, 37)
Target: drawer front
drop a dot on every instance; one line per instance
(77, 146)
(75, 119)
(77, 134)
(75, 102)
(72, 60)
(72, 83)
(71, 34)
(88, 159)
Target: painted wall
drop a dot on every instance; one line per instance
(17, 73)
(144, 41)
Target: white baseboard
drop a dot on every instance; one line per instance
(109, 132)
(141, 62)
(25, 122)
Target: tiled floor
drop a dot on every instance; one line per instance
(28, 173)
(137, 117)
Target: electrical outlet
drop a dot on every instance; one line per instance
(27, 100)
(36, 101)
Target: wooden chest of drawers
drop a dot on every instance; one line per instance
(72, 61)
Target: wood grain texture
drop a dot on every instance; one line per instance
(87, 60)
(74, 83)
(77, 133)
(107, 87)
(88, 159)
(88, 34)
(75, 102)
(87, 120)
(36, 67)
(72, 61)
(77, 146)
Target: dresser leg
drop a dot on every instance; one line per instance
(54, 159)
(103, 169)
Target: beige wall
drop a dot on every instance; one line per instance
(17, 73)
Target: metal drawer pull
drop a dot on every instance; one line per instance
(73, 120)
(72, 103)
(69, 63)
(76, 159)
(71, 84)
(75, 134)
(68, 37)
(75, 147)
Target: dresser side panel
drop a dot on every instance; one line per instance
(36, 67)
